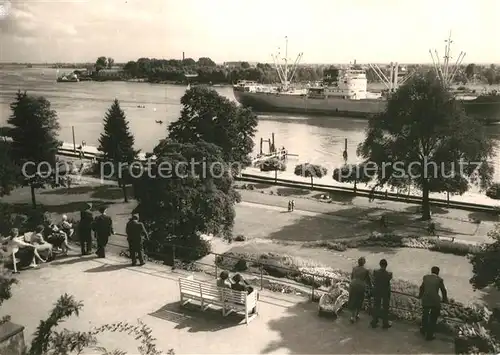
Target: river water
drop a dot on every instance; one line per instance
(318, 140)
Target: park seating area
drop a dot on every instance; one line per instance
(21, 251)
(208, 294)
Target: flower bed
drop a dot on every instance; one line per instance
(390, 240)
(404, 302)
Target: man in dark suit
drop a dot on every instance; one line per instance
(135, 236)
(381, 295)
(103, 228)
(431, 302)
(85, 229)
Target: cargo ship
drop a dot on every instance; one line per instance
(344, 92)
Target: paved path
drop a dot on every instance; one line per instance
(113, 292)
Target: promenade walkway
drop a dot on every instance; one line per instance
(113, 292)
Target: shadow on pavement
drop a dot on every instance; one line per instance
(349, 223)
(303, 332)
(70, 260)
(192, 318)
(108, 267)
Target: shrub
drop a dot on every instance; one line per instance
(241, 265)
(240, 238)
(474, 339)
(449, 247)
(494, 191)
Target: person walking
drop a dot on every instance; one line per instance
(431, 302)
(381, 295)
(293, 205)
(135, 236)
(85, 229)
(103, 228)
(360, 280)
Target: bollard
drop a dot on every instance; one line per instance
(386, 194)
(261, 277)
(312, 289)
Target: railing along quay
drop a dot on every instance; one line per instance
(385, 195)
(65, 150)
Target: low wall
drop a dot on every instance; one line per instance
(12, 339)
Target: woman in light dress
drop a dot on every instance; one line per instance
(14, 247)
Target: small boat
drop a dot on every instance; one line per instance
(160, 122)
(141, 106)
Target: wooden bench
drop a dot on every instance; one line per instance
(208, 294)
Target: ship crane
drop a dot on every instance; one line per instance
(392, 83)
(446, 72)
(285, 75)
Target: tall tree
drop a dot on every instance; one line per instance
(101, 63)
(9, 171)
(470, 70)
(424, 138)
(34, 140)
(210, 117)
(110, 62)
(117, 142)
(189, 192)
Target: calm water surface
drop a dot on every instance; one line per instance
(83, 105)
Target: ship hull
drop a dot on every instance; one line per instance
(486, 109)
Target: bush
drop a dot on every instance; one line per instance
(449, 247)
(474, 339)
(240, 238)
(185, 250)
(494, 191)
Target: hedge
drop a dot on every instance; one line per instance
(390, 240)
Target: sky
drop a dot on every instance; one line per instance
(326, 31)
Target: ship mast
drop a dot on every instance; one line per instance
(445, 72)
(283, 70)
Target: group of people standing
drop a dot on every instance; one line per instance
(102, 226)
(380, 289)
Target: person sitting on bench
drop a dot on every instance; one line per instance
(39, 242)
(223, 280)
(21, 252)
(58, 238)
(240, 284)
(66, 226)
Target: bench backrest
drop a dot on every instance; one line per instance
(211, 290)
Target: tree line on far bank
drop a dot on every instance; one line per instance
(173, 70)
(421, 123)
